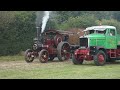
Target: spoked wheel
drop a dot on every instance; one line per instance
(63, 50)
(100, 58)
(43, 56)
(76, 60)
(28, 56)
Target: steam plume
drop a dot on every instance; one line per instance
(44, 20)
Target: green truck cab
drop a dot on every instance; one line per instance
(99, 43)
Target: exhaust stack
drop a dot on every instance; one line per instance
(38, 32)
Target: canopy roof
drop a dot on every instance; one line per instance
(58, 31)
(100, 28)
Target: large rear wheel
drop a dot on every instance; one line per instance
(43, 56)
(63, 51)
(100, 58)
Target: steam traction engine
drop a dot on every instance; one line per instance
(48, 45)
(100, 43)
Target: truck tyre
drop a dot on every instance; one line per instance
(28, 56)
(63, 51)
(76, 61)
(100, 58)
(43, 56)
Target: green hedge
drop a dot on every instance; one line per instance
(19, 33)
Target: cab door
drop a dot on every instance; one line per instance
(111, 41)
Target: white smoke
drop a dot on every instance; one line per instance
(39, 16)
(44, 20)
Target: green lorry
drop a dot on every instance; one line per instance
(99, 43)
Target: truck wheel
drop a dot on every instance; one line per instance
(43, 56)
(77, 60)
(100, 58)
(63, 51)
(28, 56)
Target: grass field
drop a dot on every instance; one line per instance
(14, 67)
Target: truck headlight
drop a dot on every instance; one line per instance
(88, 53)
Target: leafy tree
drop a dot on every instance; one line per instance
(116, 15)
(16, 31)
(79, 22)
(111, 22)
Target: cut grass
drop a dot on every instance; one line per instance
(11, 58)
(14, 67)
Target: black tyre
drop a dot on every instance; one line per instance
(63, 51)
(43, 56)
(76, 60)
(100, 58)
(28, 56)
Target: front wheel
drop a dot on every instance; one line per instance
(76, 60)
(28, 56)
(100, 58)
(43, 56)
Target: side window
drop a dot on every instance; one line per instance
(91, 31)
(101, 32)
(112, 32)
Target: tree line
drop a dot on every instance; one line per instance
(18, 28)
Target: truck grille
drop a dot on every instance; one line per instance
(84, 42)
